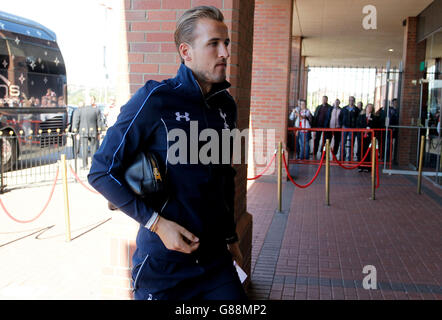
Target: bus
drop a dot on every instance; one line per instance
(33, 90)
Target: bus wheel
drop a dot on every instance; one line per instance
(9, 153)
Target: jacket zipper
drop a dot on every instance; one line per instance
(138, 273)
(214, 94)
(205, 113)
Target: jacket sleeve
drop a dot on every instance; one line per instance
(329, 114)
(315, 116)
(138, 119)
(341, 114)
(361, 122)
(229, 193)
(309, 117)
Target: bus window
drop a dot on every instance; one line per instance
(35, 69)
(33, 77)
(4, 63)
(17, 53)
(4, 56)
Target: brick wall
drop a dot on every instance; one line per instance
(149, 53)
(271, 71)
(413, 54)
(295, 71)
(116, 282)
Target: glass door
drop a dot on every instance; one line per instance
(433, 134)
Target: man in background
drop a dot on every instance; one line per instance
(87, 121)
(111, 113)
(348, 119)
(335, 124)
(321, 119)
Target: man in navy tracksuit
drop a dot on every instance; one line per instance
(186, 242)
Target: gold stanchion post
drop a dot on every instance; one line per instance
(280, 176)
(66, 198)
(327, 172)
(421, 158)
(373, 167)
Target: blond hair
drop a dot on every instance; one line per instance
(186, 24)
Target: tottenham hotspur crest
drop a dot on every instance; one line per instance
(223, 115)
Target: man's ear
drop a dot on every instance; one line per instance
(185, 51)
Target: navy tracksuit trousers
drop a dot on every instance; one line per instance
(215, 281)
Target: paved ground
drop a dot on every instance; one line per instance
(310, 251)
(36, 261)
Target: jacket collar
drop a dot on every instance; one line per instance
(186, 80)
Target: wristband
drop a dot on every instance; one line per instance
(151, 221)
(154, 225)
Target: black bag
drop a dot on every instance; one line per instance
(144, 178)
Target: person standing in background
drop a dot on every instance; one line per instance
(111, 112)
(321, 119)
(303, 136)
(292, 136)
(335, 124)
(393, 120)
(87, 121)
(366, 120)
(348, 119)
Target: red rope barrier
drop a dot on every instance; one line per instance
(352, 167)
(314, 178)
(81, 182)
(265, 169)
(40, 213)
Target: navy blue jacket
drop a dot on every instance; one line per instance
(200, 195)
(327, 118)
(347, 118)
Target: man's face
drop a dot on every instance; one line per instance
(324, 100)
(207, 55)
(92, 101)
(337, 102)
(351, 100)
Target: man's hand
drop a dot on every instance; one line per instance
(175, 237)
(235, 252)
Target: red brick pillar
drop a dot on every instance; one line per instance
(413, 55)
(149, 52)
(295, 71)
(303, 80)
(271, 75)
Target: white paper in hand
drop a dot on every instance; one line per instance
(242, 275)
